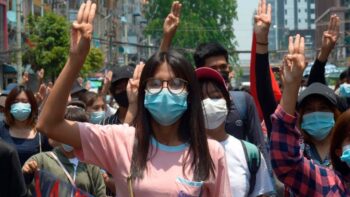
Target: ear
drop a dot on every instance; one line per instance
(338, 152)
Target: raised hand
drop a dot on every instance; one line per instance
(107, 82)
(292, 72)
(170, 25)
(133, 84)
(40, 73)
(42, 93)
(30, 167)
(262, 22)
(329, 38)
(294, 62)
(173, 19)
(82, 30)
(25, 78)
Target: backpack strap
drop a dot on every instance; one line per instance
(252, 155)
(239, 99)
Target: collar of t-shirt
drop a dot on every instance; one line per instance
(167, 148)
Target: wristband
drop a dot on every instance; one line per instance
(262, 43)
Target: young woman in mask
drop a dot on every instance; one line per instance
(167, 152)
(302, 175)
(216, 100)
(62, 162)
(95, 106)
(317, 107)
(18, 128)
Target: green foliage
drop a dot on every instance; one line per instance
(93, 62)
(201, 21)
(50, 39)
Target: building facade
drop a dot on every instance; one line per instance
(324, 10)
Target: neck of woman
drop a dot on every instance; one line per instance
(22, 130)
(219, 134)
(323, 147)
(167, 135)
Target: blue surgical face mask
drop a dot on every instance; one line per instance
(346, 155)
(20, 111)
(97, 117)
(67, 148)
(318, 124)
(344, 90)
(166, 108)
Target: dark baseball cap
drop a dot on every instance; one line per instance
(318, 89)
(77, 88)
(123, 72)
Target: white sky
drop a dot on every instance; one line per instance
(243, 28)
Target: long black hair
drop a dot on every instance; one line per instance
(191, 129)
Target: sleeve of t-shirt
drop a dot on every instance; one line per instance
(263, 183)
(105, 145)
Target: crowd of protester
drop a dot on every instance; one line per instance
(168, 128)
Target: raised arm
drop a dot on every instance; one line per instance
(264, 91)
(51, 120)
(170, 25)
(329, 40)
(302, 176)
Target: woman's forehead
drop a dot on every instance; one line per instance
(164, 72)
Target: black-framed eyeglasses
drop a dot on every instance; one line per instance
(175, 85)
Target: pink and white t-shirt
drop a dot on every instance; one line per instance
(110, 147)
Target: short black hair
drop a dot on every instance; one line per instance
(207, 50)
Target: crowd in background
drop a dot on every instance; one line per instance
(165, 127)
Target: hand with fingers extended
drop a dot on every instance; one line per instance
(40, 74)
(30, 167)
(262, 22)
(82, 29)
(133, 94)
(294, 62)
(329, 38)
(107, 82)
(292, 72)
(25, 78)
(133, 85)
(41, 94)
(172, 20)
(170, 25)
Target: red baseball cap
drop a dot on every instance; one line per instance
(211, 74)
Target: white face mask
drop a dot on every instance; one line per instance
(215, 112)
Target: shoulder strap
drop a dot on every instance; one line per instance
(239, 100)
(252, 155)
(63, 168)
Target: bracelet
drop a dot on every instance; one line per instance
(262, 43)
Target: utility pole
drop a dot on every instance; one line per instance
(19, 39)
(149, 46)
(126, 58)
(42, 8)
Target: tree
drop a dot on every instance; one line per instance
(93, 62)
(201, 21)
(49, 36)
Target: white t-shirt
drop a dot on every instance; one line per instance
(239, 174)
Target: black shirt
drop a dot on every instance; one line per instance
(11, 178)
